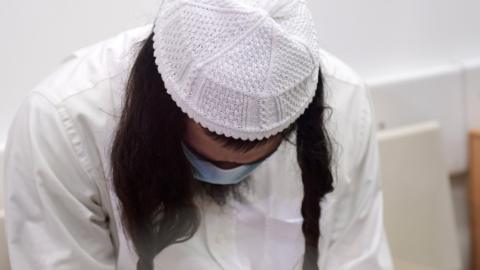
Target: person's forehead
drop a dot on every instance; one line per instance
(215, 160)
(202, 144)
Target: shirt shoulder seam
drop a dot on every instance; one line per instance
(72, 135)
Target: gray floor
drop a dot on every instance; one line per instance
(460, 204)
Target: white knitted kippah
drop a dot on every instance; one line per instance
(243, 68)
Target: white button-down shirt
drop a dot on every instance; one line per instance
(61, 212)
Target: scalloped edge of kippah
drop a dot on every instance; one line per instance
(171, 89)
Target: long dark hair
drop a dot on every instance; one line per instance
(156, 189)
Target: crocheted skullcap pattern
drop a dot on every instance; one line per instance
(242, 68)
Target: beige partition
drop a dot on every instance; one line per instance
(418, 207)
(474, 190)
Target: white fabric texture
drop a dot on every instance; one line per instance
(61, 213)
(246, 69)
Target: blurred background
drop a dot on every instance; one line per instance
(420, 59)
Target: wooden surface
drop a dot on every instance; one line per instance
(474, 190)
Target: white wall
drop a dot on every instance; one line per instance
(36, 35)
(383, 37)
(376, 37)
(472, 95)
(443, 93)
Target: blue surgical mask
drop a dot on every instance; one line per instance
(208, 172)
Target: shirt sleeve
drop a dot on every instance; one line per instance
(54, 218)
(360, 241)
